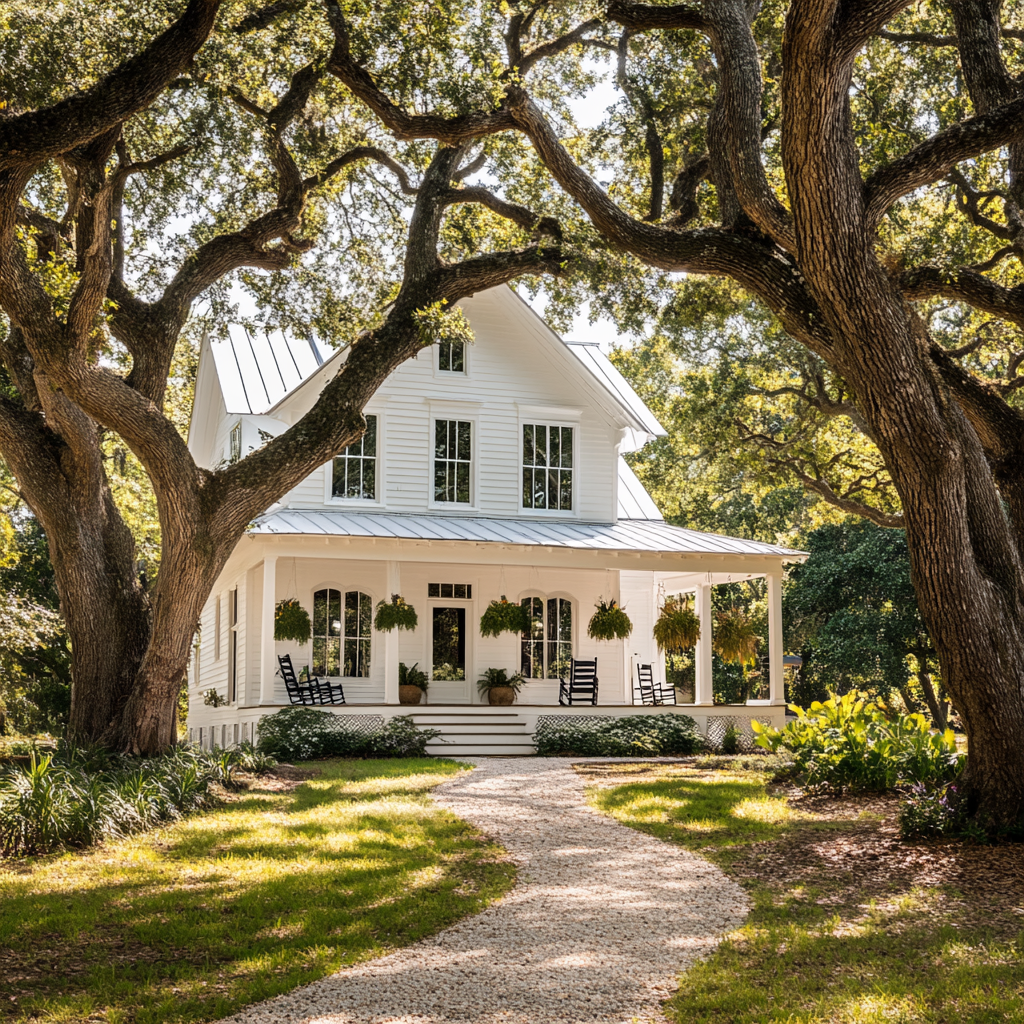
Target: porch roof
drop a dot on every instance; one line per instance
(640, 535)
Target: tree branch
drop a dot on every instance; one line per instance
(642, 17)
(526, 219)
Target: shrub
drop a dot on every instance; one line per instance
(251, 759)
(636, 736)
(75, 797)
(731, 741)
(849, 744)
(931, 811)
(306, 734)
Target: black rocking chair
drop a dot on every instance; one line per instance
(645, 684)
(316, 691)
(582, 685)
(664, 693)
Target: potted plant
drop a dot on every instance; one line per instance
(735, 638)
(291, 621)
(499, 686)
(394, 615)
(504, 617)
(609, 622)
(412, 683)
(677, 628)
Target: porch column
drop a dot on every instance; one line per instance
(394, 586)
(703, 692)
(268, 662)
(776, 685)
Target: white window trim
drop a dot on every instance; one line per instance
(375, 637)
(525, 417)
(380, 501)
(467, 362)
(237, 425)
(471, 416)
(574, 639)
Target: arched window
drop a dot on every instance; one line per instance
(341, 642)
(547, 647)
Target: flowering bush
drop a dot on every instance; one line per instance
(635, 736)
(848, 743)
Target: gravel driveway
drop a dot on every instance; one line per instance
(601, 921)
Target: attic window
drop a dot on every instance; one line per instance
(451, 356)
(235, 443)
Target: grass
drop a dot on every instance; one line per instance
(848, 924)
(273, 889)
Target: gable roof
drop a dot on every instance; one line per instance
(257, 369)
(634, 501)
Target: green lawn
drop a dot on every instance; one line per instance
(849, 926)
(269, 891)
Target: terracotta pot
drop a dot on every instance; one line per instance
(501, 695)
(409, 695)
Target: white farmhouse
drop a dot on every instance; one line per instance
(487, 469)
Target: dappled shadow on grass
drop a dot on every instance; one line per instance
(849, 925)
(243, 903)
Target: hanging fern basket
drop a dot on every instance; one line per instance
(395, 615)
(735, 638)
(291, 622)
(504, 617)
(609, 622)
(677, 628)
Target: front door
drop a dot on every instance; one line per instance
(448, 683)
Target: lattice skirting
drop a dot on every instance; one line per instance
(365, 725)
(718, 724)
(587, 723)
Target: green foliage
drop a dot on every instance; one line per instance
(446, 672)
(292, 622)
(412, 675)
(306, 734)
(504, 617)
(609, 622)
(633, 736)
(495, 677)
(77, 797)
(850, 744)
(731, 741)
(214, 699)
(678, 627)
(249, 758)
(396, 615)
(735, 638)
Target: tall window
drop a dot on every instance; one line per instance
(547, 466)
(451, 356)
(233, 648)
(235, 443)
(453, 451)
(542, 658)
(341, 633)
(355, 469)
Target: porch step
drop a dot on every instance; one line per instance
(480, 732)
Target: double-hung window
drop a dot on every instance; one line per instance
(355, 469)
(546, 647)
(451, 356)
(453, 459)
(547, 467)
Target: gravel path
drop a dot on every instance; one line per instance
(601, 921)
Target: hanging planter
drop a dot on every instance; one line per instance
(735, 638)
(504, 617)
(609, 622)
(677, 628)
(291, 622)
(396, 615)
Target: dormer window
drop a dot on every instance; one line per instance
(451, 356)
(235, 443)
(355, 469)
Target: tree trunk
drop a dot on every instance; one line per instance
(939, 708)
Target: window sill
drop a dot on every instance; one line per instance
(549, 513)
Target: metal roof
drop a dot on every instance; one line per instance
(644, 535)
(590, 355)
(258, 368)
(634, 501)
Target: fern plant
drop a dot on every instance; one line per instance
(395, 615)
(735, 638)
(291, 622)
(504, 617)
(411, 675)
(609, 622)
(677, 628)
(493, 678)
